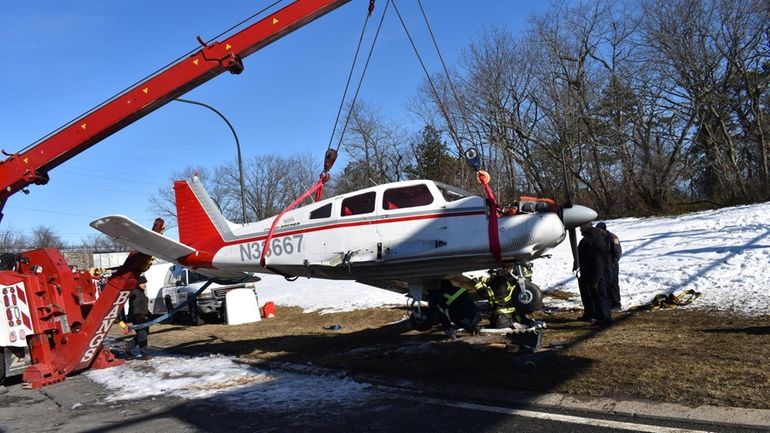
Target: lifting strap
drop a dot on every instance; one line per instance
(329, 158)
(494, 236)
(190, 300)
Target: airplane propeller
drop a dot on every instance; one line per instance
(573, 215)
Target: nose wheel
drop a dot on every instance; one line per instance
(419, 318)
(527, 297)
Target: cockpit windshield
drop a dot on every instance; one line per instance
(451, 193)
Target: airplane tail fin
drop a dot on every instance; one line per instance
(201, 224)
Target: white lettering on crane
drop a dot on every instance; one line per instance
(104, 327)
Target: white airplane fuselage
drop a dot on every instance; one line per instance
(408, 231)
(388, 241)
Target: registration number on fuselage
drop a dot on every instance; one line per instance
(278, 246)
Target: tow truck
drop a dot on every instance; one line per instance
(52, 323)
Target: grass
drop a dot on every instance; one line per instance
(683, 356)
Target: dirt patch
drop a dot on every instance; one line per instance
(678, 355)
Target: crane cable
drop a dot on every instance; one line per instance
(442, 107)
(363, 74)
(460, 105)
(350, 74)
(331, 154)
(482, 176)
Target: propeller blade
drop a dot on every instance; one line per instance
(567, 194)
(573, 246)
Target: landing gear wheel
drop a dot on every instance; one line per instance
(419, 318)
(528, 300)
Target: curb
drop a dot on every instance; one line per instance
(717, 415)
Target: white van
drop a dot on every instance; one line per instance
(156, 279)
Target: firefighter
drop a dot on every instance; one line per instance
(139, 312)
(499, 287)
(454, 306)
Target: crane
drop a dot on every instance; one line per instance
(52, 322)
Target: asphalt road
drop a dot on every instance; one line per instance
(78, 405)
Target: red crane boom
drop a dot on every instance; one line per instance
(31, 166)
(52, 323)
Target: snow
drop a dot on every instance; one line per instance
(724, 254)
(239, 385)
(324, 296)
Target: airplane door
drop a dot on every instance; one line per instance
(357, 235)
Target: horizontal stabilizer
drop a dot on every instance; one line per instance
(133, 235)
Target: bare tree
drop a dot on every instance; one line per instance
(12, 241)
(375, 148)
(273, 182)
(162, 204)
(715, 55)
(45, 237)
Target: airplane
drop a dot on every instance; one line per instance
(404, 236)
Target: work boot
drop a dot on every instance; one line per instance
(502, 321)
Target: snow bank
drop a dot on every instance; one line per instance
(724, 254)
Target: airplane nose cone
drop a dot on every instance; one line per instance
(577, 215)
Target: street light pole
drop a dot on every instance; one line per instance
(238, 147)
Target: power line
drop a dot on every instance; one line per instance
(101, 188)
(113, 178)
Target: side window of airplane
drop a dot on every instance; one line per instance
(324, 211)
(406, 196)
(358, 204)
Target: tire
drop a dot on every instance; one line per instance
(422, 322)
(530, 300)
(195, 316)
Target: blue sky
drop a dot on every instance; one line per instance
(63, 58)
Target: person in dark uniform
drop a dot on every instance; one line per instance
(498, 287)
(594, 257)
(615, 252)
(454, 306)
(139, 312)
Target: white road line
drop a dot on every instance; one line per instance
(595, 422)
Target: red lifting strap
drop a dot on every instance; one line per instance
(318, 188)
(494, 238)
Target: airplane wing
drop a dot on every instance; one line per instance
(130, 233)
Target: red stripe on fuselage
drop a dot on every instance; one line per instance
(378, 220)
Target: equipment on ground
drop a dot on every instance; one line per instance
(53, 321)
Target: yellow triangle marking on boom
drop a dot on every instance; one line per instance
(228, 46)
(26, 160)
(275, 21)
(195, 62)
(83, 126)
(145, 90)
